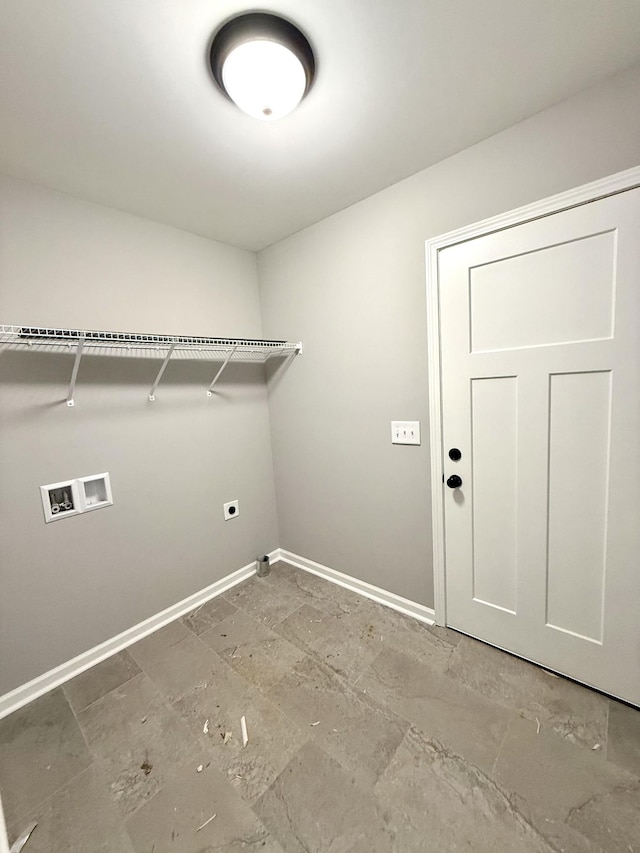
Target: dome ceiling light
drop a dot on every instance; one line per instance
(263, 63)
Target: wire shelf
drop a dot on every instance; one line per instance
(137, 345)
(120, 343)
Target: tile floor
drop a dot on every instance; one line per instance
(368, 731)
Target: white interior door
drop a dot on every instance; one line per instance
(540, 357)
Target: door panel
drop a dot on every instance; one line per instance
(502, 318)
(494, 496)
(579, 426)
(540, 354)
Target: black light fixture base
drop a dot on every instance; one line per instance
(260, 25)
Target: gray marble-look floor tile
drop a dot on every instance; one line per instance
(315, 807)
(346, 642)
(136, 738)
(324, 595)
(553, 775)
(100, 680)
(356, 781)
(280, 571)
(264, 602)
(252, 649)
(176, 660)
(361, 734)
(465, 722)
(78, 818)
(301, 627)
(171, 821)
(573, 711)
(208, 614)
(623, 736)
(428, 644)
(612, 820)
(440, 801)
(558, 834)
(273, 737)
(41, 749)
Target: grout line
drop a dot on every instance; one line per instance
(113, 689)
(22, 817)
(108, 693)
(97, 762)
(293, 612)
(265, 695)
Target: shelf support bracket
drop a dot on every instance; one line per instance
(74, 373)
(219, 373)
(152, 393)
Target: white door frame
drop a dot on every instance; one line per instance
(612, 185)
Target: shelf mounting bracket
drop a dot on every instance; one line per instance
(219, 373)
(152, 393)
(74, 372)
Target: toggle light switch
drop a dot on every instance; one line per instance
(405, 432)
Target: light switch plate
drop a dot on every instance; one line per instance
(405, 432)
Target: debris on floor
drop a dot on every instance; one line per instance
(145, 766)
(202, 825)
(199, 768)
(538, 729)
(22, 840)
(226, 737)
(317, 723)
(243, 726)
(595, 746)
(205, 729)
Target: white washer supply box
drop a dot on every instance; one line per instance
(73, 497)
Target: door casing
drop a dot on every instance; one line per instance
(620, 182)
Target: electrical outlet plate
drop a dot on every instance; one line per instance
(405, 432)
(231, 510)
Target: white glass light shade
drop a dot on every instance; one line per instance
(264, 78)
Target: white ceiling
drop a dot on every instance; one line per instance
(112, 100)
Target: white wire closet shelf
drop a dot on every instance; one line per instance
(137, 345)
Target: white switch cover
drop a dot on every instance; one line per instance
(405, 432)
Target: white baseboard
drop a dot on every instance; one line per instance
(26, 693)
(375, 593)
(55, 677)
(4, 840)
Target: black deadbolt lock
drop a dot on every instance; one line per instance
(454, 482)
(455, 455)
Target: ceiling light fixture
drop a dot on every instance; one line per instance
(263, 63)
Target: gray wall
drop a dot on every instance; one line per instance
(353, 289)
(66, 586)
